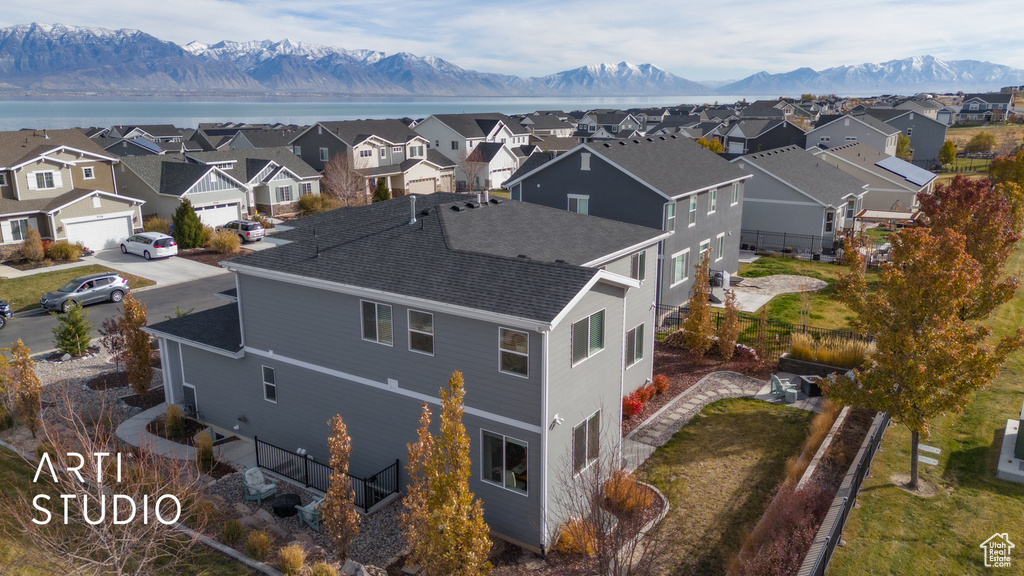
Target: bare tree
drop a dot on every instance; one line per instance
(97, 489)
(472, 167)
(607, 510)
(342, 181)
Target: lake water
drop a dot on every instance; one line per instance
(187, 112)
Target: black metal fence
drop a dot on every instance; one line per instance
(305, 469)
(773, 340)
(808, 247)
(831, 529)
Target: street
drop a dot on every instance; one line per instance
(35, 327)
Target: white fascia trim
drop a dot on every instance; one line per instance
(507, 185)
(109, 216)
(282, 168)
(25, 213)
(624, 251)
(769, 174)
(192, 343)
(544, 419)
(325, 129)
(790, 202)
(384, 387)
(414, 302)
(207, 173)
(68, 162)
(97, 193)
(719, 185)
(601, 276)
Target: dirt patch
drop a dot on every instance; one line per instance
(108, 380)
(210, 257)
(924, 489)
(151, 398)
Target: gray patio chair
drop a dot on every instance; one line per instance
(310, 513)
(780, 386)
(257, 487)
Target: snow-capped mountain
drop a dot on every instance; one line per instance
(619, 79)
(915, 74)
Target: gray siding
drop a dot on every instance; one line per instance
(926, 138)
(774, 207)
(311, 142)
(639, 311)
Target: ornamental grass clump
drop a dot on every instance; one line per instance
(291, 559)
(577, 537)
(257, 546)
(175, 421)
(232, 532)
(622, 493)
(833, 351)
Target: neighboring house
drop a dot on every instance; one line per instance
(138, 146)
(165, 181)
(928, 107)
(151, 132)
(946, 115)
(275, 177)
(793, 192)
(547, 315)
(263, 138)
(60, 183)
(833, 131)
(718, 115)
(755, 135)
(546, 125)
(768, 109)
(988, 107)
(893, 184)
(456, 136)
(668, 182)
(672, 125)
(927, 135)
(615, 124)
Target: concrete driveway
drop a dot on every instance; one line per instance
(163, 271)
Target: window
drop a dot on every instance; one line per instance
(584, 161)
(3, 179)
(579, 204)
(377, 323)
(735, 193)
(680, 266)
(513, 351)
(284, 193)
(503, 461)
(365, 153)
(854, 139)
(88, 173)
(705, 247)
(44, 180)
(19, 228)
(297, 150)
(305, 188)
(634, 345)
(713, 201)
(638, 265)
(396, 149)
(849, 210)
(693, 211)
(383, 152)
(587, 337)
(829, 221)
(323, 154)
(415, 151)
(421, 332)
(269, 385)
(721, 248)
(910, 131)
(826, 138)
(670, 217)
(437, 143)
(974, 106)
(586, 442)
(455, 144)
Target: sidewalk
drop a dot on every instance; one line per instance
(163, 271)
(12, 273)
(240, 452)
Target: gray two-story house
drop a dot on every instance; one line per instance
(666, 182)
(927, 135)
(546, 313)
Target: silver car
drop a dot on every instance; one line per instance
(247, 230)
(103, 287)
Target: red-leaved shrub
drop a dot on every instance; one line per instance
(631, 406)
(643, 394)
(660, 383)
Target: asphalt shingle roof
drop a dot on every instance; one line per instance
(802, 169)
(479, 125)
(169, 173)
(672, 164)
(217, 327)
(485, 151)
(256, 159)
(468, 257)
(20, 145)
(355, 131)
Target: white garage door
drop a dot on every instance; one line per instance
(100, 234)
(217, 214)
(735, 147)
(424, 186)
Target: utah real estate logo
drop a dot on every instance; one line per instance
(997, 550)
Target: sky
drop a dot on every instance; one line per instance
(722, 40)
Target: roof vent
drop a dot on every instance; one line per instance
(606, 144)
(650, 139)
(661, 138)
(472, 205)
(495, 200)
(457, 208)
(622, 143)
(425, 212)
(559, 261)
(523, 256)
(412, 209)
(672, 136)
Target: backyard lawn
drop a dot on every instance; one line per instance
(825, 312)
(718, 473)
(24, 293)
(893, 532)
(1007, 135)
(16, 476)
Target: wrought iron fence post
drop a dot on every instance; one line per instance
(256, 442)
(305, 470)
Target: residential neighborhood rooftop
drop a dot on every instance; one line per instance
(799, 168)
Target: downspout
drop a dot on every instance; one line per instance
(622, 375)
(544, 339)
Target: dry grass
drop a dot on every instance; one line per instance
(1007, 135)
(833, 351)
(623, 494)
(819, 428)
(577, 537)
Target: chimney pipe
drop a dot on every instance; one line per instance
(412, 209)
(487, 196)
(478, 198)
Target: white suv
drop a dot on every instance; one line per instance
(150, 245)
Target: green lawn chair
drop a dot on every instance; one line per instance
(780, 386)
(310, 513)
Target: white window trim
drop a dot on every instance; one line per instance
(712, 201)
(641, 257)
(263, 376)
(636, 346)
(195, 395)
(735, 194)
(670, 221)
(383, 152)
(88, 173)
(362, 323)
(3, 178)
(687, 265)
(691, 212)
(35, 176)
(720, 242)
(570, 197)
(500, 350)
(410, 330)
(572, 334)
(586, 426)
(703, 242)
(324, 155)
(483, 476)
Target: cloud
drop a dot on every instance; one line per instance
(729, 39)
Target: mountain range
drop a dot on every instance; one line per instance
(59, 59)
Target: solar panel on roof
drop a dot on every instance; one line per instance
(918, 176)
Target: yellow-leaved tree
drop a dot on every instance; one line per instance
(338, 511)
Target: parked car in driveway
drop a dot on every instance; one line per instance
(102, 287)
(150, 245)
(247, 230)
(5, 313)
